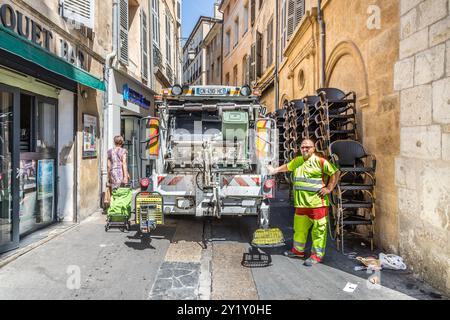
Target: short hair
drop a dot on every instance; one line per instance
(118, 140)
(310, 140)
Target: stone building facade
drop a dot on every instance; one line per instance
(422, 166)
(194, 52)
(213, 51)
(237, 41)
(395, 56)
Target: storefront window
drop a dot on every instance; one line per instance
(6, 103)
(37, 163)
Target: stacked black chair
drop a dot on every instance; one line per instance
(309, 113)
(353, 199)
(336, 117)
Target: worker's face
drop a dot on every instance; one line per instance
(307, 149)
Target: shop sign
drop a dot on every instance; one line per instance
(30, 29)
(135, 97)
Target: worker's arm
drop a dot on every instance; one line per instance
(330, 186)
(273, 171)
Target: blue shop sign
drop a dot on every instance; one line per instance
(135, 97)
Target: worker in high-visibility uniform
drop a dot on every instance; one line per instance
(310, 200)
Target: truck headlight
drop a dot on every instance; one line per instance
(246, 91)
(177, 90)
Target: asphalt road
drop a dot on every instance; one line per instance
(192, 258)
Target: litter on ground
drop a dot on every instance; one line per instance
(350, 287)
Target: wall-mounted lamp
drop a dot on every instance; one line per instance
(84, 94)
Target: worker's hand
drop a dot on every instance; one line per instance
(271, 170)
(324, 191)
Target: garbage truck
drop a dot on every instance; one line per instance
(207, 149)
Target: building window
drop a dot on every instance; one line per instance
(227, 42)
(295, 12)
(252, 11)
(283, 29)
(245, 20)
(227, 79)
(269, 44)
(301, 80)
(212, 73)
(245, 74)
(168, 40)
(144, 46)
(218, 67)
(236, 32)
(155, 21)
(235, 75)
(259, 54)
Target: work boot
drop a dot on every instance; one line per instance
(311, 261)
(294, 254)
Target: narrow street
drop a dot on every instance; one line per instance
(193, 259)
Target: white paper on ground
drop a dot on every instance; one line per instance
(350, 287)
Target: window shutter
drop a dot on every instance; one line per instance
(155, 21)
(123, 31)
(269, 59)
(81, 11)
(290, 18)
(283, 29)
(144, 45)
(253, 63)
(299, 11)
(252, 11)
(259, 54)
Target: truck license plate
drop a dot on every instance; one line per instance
(211, 91)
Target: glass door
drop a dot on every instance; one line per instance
(9, 158)
(37, 163)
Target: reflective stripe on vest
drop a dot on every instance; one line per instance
(311, 189)
(312, 181)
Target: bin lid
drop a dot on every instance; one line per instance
(235, 117)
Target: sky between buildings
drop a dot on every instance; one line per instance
(191, 11)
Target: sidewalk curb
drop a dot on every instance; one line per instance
(21, 252)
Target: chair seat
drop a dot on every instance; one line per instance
(357, 204)
(359, 169)
(342, 131)
(356, 220)
(355, 186)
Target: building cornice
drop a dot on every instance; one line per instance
(308, 50)
(267, 78)
(307, 21)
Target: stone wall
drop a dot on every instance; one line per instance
(360, 56)
(422, 76)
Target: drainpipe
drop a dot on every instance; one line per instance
(107, 100)
(322, 43)
(277, 89)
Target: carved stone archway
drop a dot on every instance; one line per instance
(346, 70)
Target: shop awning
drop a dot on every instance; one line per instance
(29, 51)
